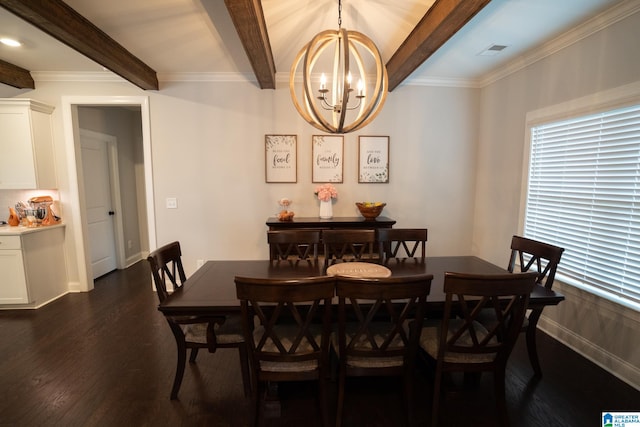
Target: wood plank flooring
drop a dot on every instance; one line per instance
(107, 358)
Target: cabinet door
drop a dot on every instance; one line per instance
(17, 162)
(13, 284)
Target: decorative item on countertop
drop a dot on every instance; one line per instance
(285, 214)
(14, 219)
(325, 193)
(370, 210)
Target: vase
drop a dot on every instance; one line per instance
(326, 209)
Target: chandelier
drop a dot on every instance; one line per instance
(333, 104)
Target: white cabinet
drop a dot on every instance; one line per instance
(14, 284)
(26, 144)
(32, 267)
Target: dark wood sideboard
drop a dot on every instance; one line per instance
(334, 223)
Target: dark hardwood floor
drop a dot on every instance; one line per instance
(107, 358)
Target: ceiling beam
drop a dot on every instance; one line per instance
(15, 76)
(248, 18)
(439, 24)
(57, 19)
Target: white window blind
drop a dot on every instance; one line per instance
(584, 195)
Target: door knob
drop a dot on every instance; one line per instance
(112, 213)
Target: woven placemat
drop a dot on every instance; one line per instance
(359, 269)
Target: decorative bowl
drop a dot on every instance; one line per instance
(285, 215)
(370, 210)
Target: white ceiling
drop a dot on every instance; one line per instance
(197, 36)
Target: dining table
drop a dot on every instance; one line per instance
(211, 289)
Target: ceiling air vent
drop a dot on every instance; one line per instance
(492, 50)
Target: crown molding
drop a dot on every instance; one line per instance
(76, 76)
(599, 22)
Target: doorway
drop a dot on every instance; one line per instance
(99, 178)
(135, 225)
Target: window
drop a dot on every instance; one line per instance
(584, 195)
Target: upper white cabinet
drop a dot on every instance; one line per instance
(26, 145)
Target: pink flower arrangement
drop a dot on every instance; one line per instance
(326, 192)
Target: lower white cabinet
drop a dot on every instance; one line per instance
(32, 267)
(14, 282)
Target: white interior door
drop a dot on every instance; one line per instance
(99, 211)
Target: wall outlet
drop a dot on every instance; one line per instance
(172, 203)
(199, 263)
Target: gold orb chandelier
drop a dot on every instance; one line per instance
(331, 105)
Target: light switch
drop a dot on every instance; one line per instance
(172, 203)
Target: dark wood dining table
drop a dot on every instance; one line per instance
(211, 289)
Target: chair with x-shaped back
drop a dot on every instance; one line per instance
(402, 243)
(294, 245)
(543, 258)
(194, 332)
(287, 325)
(461, 343)
(379, 323)
(348, 245)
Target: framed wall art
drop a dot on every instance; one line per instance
(373, 159)
(327, 157)
(281, 158)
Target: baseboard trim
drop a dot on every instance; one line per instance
(133, 259)
(74, 287)
(610, 362)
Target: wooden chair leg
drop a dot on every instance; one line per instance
(501, 403)
(409, 385)
(194, 354)
(182, 360)
(341, 381)
(435, 407)
(322, 399)
(244, 367)
(532, 348)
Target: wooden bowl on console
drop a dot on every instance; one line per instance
(370, 210)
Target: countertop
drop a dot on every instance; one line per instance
(7, 230)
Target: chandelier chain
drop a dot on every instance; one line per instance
(339, 14)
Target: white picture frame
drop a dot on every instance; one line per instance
(327, 158)
(281, 158)
(373, 159)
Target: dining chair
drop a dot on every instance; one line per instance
(194, 332)
(287, 325)
(461, 343)
(297, 245)
(379, 322)
(543, 258)
(402, 243)
(348, 245)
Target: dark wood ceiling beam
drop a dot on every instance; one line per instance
(57, 19)
(439, 24)
(248, 18)
(15, 76)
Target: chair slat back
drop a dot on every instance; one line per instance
(402, 243)
(374, 315)
(287, 311)
(543, 257)
(348, 245)
(467, 296)
(166, 268)
(300, 244)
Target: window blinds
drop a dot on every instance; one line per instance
(584, 195)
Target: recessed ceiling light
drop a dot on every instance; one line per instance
(10, 42)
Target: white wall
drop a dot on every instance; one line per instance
(605, 332)
(208, 152)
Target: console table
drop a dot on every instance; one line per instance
(347, 222)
